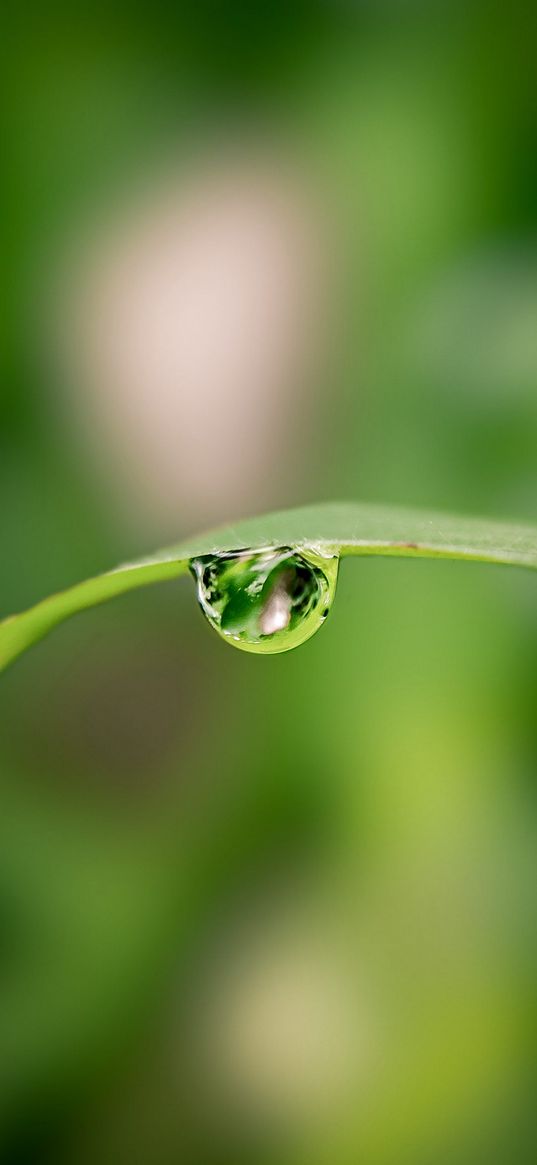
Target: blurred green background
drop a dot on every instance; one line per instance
(276, 910)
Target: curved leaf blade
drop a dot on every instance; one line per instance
(350, 528)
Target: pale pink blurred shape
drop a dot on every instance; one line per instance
(192, 331)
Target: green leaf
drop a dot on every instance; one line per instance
(348, 528)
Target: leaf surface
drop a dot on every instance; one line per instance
(348, 528)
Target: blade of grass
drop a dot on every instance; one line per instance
(350, 528)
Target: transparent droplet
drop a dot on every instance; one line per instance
(266, 600)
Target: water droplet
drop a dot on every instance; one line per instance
(266, 600)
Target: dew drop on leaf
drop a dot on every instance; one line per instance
(267, 600)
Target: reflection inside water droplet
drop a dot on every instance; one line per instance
(266, 600)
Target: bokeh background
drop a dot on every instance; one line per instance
(268, 910)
